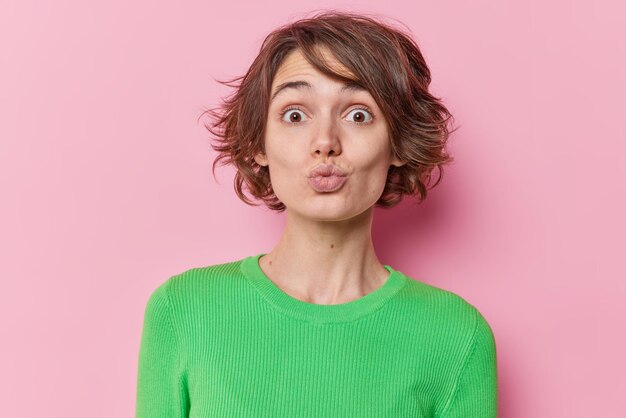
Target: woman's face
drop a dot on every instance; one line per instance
(320, 121)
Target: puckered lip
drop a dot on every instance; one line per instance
(326, 170)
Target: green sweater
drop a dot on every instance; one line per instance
(225, 341)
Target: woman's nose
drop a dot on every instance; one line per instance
(326, 135)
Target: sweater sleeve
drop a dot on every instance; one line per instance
(161, 386)
(476, 390)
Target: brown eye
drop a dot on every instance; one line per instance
(361, 116)
(293, 115)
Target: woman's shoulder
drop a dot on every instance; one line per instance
(196, 281)
(443, 306)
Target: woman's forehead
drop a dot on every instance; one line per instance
(295, 64)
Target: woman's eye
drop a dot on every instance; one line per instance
(360, 115)
(293, 115)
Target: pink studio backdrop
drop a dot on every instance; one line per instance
(107, 190)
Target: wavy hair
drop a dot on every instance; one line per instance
(384, 59)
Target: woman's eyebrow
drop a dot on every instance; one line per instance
(301, 85)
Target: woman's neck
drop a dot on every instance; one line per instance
(325, 262)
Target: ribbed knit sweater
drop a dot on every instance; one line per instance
(226, 341)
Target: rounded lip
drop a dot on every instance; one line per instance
(339, 186)
(325, 170)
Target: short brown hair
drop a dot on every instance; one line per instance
(385, 60)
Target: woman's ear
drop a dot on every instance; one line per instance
(397, 162)
(260, 159)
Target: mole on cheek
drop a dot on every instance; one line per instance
(332, 245)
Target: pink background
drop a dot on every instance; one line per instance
(107, 191)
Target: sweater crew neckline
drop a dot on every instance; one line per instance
(314, 312)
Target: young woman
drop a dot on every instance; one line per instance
(333, 118)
